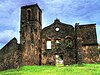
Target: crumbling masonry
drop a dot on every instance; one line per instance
(76, 44)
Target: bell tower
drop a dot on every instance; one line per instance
(30, 30)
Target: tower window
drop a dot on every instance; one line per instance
(40, 17)
(28, 14)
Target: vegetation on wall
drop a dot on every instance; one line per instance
(68, 43)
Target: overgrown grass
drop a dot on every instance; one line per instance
(84, 69)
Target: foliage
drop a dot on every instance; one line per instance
(59, 45)
(84, 69)
(61, 57)
(68, 43)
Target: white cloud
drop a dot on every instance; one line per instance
(83, 11)
(7, 35)
(98, 40)
(10, 19)
(69, 11)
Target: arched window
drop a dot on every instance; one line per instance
(28, 14)
(58, 44)
(68, 42)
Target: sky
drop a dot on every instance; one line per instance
(68, 11)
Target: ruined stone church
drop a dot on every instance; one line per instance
(75, 45)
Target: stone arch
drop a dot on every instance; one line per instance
(29, 12)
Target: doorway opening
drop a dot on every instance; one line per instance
(59, 60)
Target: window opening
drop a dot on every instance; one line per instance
(58, 44)
(48, 44)
(68, 43)
(57, 41)
(28, 14)
(40, 17)
(57, 29)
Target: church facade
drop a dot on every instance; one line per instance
(74, 45)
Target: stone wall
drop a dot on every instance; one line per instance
(86, 43)
(64, 35)
(90, 54)
(30, 31)
(88, 34)
(9, 55)
(78, 44)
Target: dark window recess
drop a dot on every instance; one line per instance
(32, 39)
(28, 14)
(40, 17)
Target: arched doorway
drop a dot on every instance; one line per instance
(59, 59)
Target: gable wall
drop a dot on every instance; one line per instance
(9, 55)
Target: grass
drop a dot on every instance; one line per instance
(84, 69)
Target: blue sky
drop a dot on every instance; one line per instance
(68, 11)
